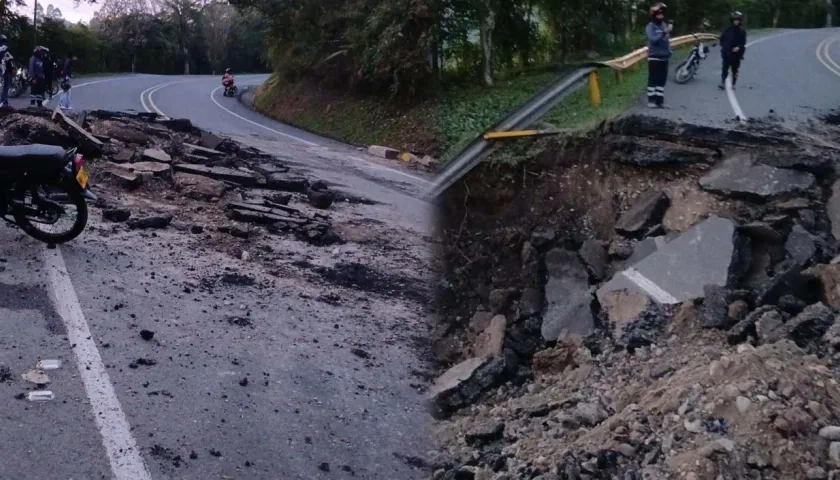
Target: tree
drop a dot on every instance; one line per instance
(53, 13)
(184, 15)
(126, 23)
(216, 24)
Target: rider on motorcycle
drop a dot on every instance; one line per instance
(227, 78)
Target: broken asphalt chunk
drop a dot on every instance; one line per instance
(203, 151)
(712, 252)
(321, 199)
(156, 155)
(151, 221)
(286, 182)
(739, 177)
(647, 211)
(117, 215)
(464, 383)
(567, 296)
(88, 144)
(634, 317)
(219, 173)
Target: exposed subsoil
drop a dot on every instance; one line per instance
(555, 374)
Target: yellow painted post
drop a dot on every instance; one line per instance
(594, 91)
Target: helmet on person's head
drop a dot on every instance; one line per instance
(227, 70)
(736, 16)
(3, 39)
(657, 9)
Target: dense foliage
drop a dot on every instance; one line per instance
(166, 37)
(404, 47)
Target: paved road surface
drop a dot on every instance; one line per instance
(794, 73)
(309, 401)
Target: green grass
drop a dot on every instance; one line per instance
(463, 112)
(444, 125)
(577, 113)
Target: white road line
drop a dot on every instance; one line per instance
(213, 99)
(371, 164)
(823, 53)
(730, 93)
(651, 288)
(149, 92)
(45, 102)
(123, 454)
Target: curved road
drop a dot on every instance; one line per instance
(313, 407)
(788, 74)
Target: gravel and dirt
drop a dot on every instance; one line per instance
(655, 300)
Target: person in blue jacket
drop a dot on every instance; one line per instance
(733, 43)
(659, 52)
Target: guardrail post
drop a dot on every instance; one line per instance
(594, 91)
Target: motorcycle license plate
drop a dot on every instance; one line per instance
(82, 178)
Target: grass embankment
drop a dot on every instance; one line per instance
(441, 126)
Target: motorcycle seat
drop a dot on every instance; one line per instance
(21, 156)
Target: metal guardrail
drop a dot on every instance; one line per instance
(513, 125)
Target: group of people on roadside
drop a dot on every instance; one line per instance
(43, 70)
(733, 43)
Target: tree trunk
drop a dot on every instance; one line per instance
(777, 10)
(488, 24)
(134, 62)
(186, 61)
(829, 6)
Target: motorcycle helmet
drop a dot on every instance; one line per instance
(657, 9)
(736, 16)
(3, 39)
(227, 70)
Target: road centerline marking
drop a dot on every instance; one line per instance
(823, 53)
(121, 447)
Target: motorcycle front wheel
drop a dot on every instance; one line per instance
(39, 210)
(683, 73)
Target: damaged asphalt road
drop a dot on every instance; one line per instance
(770, 84)
(235, 348)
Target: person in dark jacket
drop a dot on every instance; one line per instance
(658, 34)
(49, 71)
(36, 73)
(733, 43)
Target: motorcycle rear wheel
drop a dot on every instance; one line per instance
(55, 195)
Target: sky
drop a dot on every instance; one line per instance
(83, 13)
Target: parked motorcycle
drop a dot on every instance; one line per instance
(39, 186)
(20, 83)
(231, 90)
(687, 69)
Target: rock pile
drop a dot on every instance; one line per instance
(670, 310)
(140, 150)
